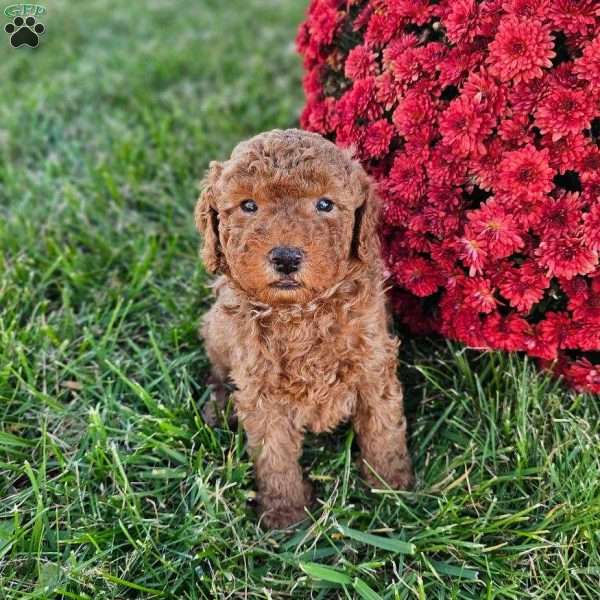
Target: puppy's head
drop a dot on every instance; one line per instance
(287, 216)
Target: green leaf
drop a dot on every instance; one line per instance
(325, 573)
(445, 568)
(48, 577)
(365, 591)
(379, 541)
(7, 529)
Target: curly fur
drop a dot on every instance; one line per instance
(316, 355)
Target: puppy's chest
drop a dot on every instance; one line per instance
(312, 369)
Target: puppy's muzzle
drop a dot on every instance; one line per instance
(285, 259)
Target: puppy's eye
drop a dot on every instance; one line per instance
(324, 205)
(249, 206)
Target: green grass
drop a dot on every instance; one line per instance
(110, 484)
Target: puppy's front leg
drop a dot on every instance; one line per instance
(381, 429)
(275, 445)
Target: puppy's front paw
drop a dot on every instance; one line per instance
(277, 513)
(282, 517)
(398, 475)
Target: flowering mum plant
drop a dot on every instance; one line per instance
(480, 121)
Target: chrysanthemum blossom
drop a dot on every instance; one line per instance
(414, 115)
(587, 67)
(526, 9)
(407, 179)
(461, 20)
(465, 124)
(360, 63)
(573, 16)
(520, 50)
(566, 257)
(496, 228)
(563, 112)
(419, 276)
(524, 286)
(479, 294)
(560, 216)
(378, 137)
(525, 172)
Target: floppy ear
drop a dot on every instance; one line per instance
(365, 240)
(207, 220)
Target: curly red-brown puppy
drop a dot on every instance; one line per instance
(299, 324)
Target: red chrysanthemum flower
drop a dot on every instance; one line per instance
(319, 115)
(461, 322)
(587, 67)
(406, 178)
(484, 89)
(566, 257)
(515, 131)
(387, 90)
(589, 163)
(418, 275)
(377, 138)
(525, 172)
(445, 169)
(381, 28)
(591, 190)
(566, 152)
(526, 95)
(490, 16)
(360, 63)
(324, 22)
(461, 19)
(479, 294)
(584, 375)
(520, 50)
(496, 229)
(555, 328)
(359, 102)
(484, 169)
(436, 221)
(414, 115)
(523, 287)
(564, 76)
(398, 47)
(586, 307)
(416, 11)
(583, 336)
(560, 216)
(465, 124)
(526, 9)
(506, 333)
(573, 16)
(563, 112)
(525, 209)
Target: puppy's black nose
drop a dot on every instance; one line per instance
(285, 259)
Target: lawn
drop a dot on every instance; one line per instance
(111, 486)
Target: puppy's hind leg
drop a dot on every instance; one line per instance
(221, 387)
(216, 405)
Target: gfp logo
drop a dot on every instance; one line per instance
(25, 28)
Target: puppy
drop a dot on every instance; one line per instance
(299, 325)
